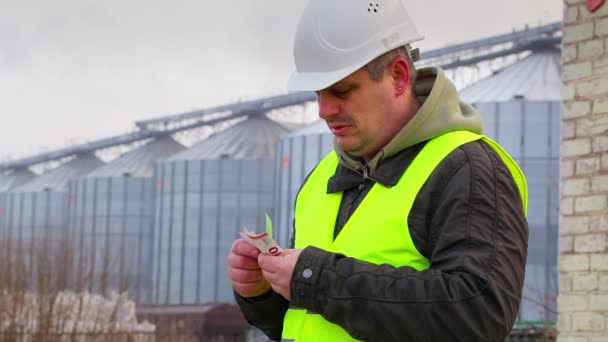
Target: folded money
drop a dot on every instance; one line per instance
(262, 241)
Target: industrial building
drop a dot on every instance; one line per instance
(37, 209)
(9, 181)
(205, 196)
(110, 217)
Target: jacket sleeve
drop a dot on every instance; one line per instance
(476, 242)
(265, 312)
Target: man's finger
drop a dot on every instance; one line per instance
(239, 261)
(270, 263)
(242, 247)
(244, 276)
(271, 277)
(278, 283)
(291, 251)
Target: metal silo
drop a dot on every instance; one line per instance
(297, 155)
(205, 195)
(111, 211)
(37, 210)
(9, 181)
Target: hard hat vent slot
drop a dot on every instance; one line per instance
(373, 7)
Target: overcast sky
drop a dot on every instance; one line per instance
(79, 70)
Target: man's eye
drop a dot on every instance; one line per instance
(340, 92)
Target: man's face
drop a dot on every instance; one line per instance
(362, 114)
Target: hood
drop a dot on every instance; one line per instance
(441, 112)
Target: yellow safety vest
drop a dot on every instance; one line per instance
(385, 209)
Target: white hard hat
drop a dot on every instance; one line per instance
(334, 38)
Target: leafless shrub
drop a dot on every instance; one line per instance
(50, 290)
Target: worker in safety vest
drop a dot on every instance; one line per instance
(413, 228)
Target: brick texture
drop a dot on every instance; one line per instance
(588, 166)
(578, 147)
(590, 243)
(577, 71)
(603, 283)
(592, 87)
(588, 322)
(586, 282)
(583, 245)
(578, 32)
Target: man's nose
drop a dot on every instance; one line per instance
(327, 105)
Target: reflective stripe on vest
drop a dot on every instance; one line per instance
(385, 209)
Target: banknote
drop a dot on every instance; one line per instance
(262, 241)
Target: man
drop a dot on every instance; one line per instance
(414, 228)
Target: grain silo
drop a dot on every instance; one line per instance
(111, 211)
(13, 179)
(37, 210)
(205, 195)
(9, 181)
(520, 106)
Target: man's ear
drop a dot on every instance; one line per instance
(400, 75)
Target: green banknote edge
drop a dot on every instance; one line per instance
(268, 225)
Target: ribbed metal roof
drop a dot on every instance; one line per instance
(14, 179)
(57, 179)
(139, 162)
(254, 138)
(317, 127)
(536, 77)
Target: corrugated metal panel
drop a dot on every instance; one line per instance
(34, 218)
(58, 178)
(254, 138)
(139, 162)
(205, 195)
(536, 77)
(111, 219)
(111, 213)
(201, 207)
(14, 179)
(9, 181)
(37, 211)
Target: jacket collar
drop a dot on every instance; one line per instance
(388, 172)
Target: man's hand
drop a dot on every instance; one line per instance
(278, 270)
(244, 272)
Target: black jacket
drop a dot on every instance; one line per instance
(467, 220)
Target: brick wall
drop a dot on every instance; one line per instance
(583, 261)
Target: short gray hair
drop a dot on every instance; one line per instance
(377, 66)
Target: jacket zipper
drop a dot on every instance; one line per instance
(361, 185)
(349, 206)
